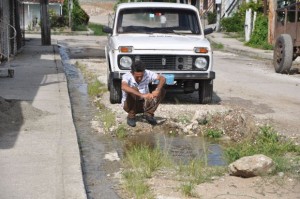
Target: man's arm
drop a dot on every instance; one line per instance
(162, 81)
(125, 87)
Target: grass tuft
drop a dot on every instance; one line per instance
(97, 28)
(269, 143)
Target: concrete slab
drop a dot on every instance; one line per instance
(39, 153)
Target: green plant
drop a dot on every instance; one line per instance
(184, 119)
(121, 131)
(108, 118)
(96, 88)
(215, 45)
(79, 16)
(267, 142)
(55, 20)
(259, 37)
(187, 189)
(234, 23)
(196, 171)
(145, 159)
(211, 17)
(97, 28)
(135, 184)
(141, 162)
(213, 133)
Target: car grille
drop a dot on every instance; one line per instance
(165, 62)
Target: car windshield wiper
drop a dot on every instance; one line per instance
(164, 31)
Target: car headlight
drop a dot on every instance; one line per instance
(201, 63)
(126, 62)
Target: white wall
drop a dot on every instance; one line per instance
(32, 13)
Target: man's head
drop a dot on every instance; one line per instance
(137, 70)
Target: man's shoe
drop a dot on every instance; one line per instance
(151, 120)
(131, 122)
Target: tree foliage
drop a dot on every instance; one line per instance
(79, 16)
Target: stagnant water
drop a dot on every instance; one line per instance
(97, 171)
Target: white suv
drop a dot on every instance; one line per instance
(168, 38)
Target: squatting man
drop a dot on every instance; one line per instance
(136, 96)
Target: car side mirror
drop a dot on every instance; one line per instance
(208, 31)
(107, 29)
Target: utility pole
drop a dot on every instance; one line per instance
(272, 14)
(218, 7)
(45, 24)
(70, 8)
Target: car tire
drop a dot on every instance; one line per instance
(205, 91)
(283, 54)
(115, 91)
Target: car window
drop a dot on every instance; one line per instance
(158, 21)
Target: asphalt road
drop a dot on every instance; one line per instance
(253, 85)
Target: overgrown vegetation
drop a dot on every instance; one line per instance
(97, 28)
(80, 18)
(259, 37)
(269, 143)
(96, 89)
(213, 133)
(141, 162)
(211, 17)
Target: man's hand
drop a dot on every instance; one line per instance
(155, 93)
(148, 96)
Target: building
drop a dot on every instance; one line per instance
(30, 12)
(10, 32)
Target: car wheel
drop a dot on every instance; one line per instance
(283, 54)
(115, 91)
(205, 91)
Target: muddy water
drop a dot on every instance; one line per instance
(98, 170)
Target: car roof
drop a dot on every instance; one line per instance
(156, 5)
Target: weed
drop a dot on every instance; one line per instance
(267, 142)
(145, 159)
(184, 119)
(121, 131)
(187, 189)
(213, 133)
(142, 161)
(97, 28)
(108, 118)
(217, 46)
(96, 88)
(135, 184)
(197, 172)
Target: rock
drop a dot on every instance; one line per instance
(251, 166)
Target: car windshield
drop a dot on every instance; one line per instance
(158, 20)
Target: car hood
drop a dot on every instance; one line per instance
(160, 42)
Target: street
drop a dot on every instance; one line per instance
(253, 85)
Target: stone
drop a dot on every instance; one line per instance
(251, 166)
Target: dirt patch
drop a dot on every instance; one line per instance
(228, 187)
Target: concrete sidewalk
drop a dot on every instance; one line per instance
(238, 47)
(39, 153)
